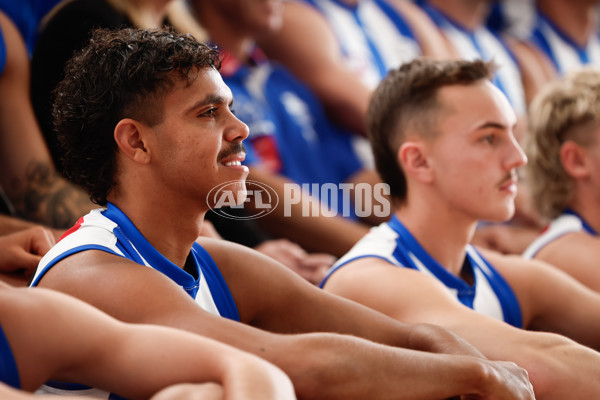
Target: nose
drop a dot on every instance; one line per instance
(515, 156)
(236, 131)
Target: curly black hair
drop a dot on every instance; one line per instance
(119, 74)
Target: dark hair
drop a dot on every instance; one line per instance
(120, 74)
(407, 98)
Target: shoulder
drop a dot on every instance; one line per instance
(379, 243)
(303, 27)
(526, 277)
(564, 226)
(13, 53)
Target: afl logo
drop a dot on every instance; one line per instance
(262, 199)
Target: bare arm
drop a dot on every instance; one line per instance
(28, 176)
(66, 339)
(557, 366)
(320, 364)
(536, 69)
(577, 254)
(431, 40)
(201, 391)
(551, 300)
(308, 47)
(333, 235)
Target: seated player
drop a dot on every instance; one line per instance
(564, 135)
(155, 138)
(442, 136)
(566, 34)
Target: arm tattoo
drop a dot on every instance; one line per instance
(48, 198)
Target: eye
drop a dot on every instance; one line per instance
(209, 113)
(489, 139)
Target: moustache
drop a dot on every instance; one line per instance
(234, 149)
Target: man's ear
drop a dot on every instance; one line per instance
(574, 160)
(413, 159)
(129, 135)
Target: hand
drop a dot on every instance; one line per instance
(504, 238)
(311, 267)
(504, 381)
(23, 250)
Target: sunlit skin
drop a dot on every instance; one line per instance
(460, 168)
(479, 128)
(196, 146)
(474, 149)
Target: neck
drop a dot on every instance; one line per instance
(224, 31)
(444, 235)
(170, 226)
(471, 14)
(576, 19)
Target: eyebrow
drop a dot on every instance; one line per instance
(495, 125)
(209, 99)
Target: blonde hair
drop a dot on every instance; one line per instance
(565, 110)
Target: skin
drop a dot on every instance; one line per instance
(526, 222)
(198, 128)
(576, 253)
(576, 19)
(236, 25)
(34, 187)
(476, 122)
(204, 391)
(308, 47)
(124, 358)
(21, 253)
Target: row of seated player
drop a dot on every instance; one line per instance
(534, 312)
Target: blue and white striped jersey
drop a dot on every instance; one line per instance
(110, 230)
(481, 43)
(568, 222)
(565, 54)
(490, 294)
(373, 36)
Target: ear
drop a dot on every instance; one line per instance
(574, 160)
(413, 159)
(129, 135)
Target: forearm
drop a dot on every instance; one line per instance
(351, 368)
(8, 393)
(45, 197)
(303, 222)
(433, 338)
(249, 377)
(380, 328)
(11, 225)
(558, 368)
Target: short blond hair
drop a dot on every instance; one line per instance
(565, 110)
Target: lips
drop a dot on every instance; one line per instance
(234, 160)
